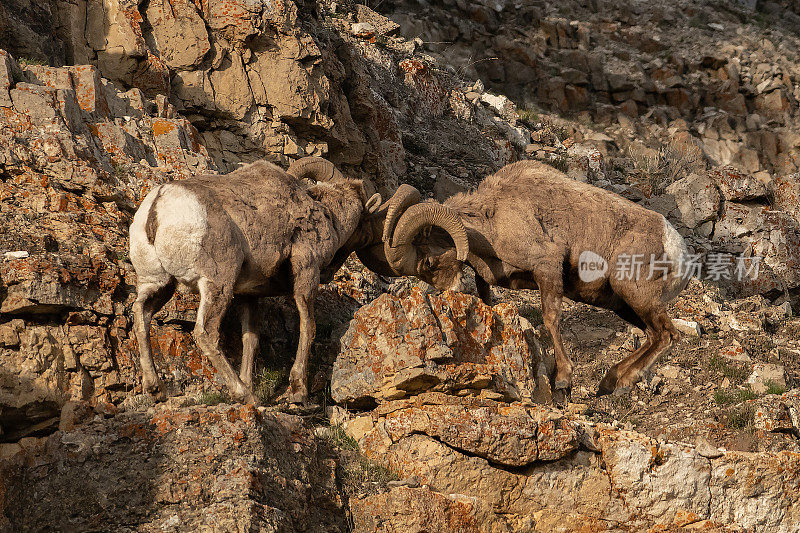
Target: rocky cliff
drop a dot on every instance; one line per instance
(690, 111)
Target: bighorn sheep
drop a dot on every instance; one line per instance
(258, 231)
(528, 226)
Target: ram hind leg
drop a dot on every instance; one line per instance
(249, 340)
(612, 381)
(151, 297)
(626, 313)
(661, 334)
(214, 301)
(664, 335)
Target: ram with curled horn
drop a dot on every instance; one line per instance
(529, 226)
(258, 231)
(368, 240)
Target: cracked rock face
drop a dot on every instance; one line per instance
(77, 155)
(491, 461)
(582, 476)
(735, 216)
(281, 79)
(224, 468)
(396, 347)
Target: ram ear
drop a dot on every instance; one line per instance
(373, 203)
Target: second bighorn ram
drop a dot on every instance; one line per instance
(258, 231)
(529, 226)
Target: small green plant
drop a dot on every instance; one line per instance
(774, 388)
(266, 382)
(741, 417)
(528, 116)
(340, 439)
(357, 469)
(560, 162)
(735, 373)
(209, 397)
(120, 170)
(733, 396)
(365, 471)
(28, 61)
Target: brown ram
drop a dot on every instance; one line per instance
(258, 231)
(530, 226)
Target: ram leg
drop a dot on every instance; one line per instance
(249, 340)
(551, 291)
(150, 298)
(484, 290)
(306, 281)
(661, 335)
(214, 301)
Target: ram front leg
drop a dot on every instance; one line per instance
(305, 288)
(549, 279)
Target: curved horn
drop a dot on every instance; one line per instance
(402, 254)
(314, 168)
(374, 203)
(404, 196)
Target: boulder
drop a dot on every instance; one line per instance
(512, 435)
(773, 103)
(500, 104)
(363, 30)
(398, 347)
(380, 24)
(697, 199)
(590, 473)
(785, 194)
(772, 237)
(766, 375)
(779, 413)
(687, 327)
(179, 32)
(736, 185)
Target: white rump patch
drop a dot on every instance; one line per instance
(182, 226)
(676, 251)
(143, 254)
(674, 245)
